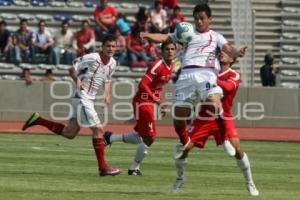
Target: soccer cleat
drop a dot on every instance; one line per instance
(252, 189)
(30, 121)
(178, 151)
(106, 138)
(134, 172)
(178, 185)
(110, 171)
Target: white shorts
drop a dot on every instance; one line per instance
(195, 85)
(84, 111)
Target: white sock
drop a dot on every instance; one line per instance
(245, 167)
(132, 138)
(180, 167)
(141, 151)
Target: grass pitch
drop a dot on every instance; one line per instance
(51, 167)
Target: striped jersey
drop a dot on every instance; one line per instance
(93, 73)
(202, 50)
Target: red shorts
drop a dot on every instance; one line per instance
(201, 130)
(145, 118)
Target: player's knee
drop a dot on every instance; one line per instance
(148, 141)
(229, 148)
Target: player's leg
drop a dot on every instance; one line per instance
(141, 152)
(131, 138)
(180, 123)
(72, 129)
(99, 148)
(36, 119)
(180, 164)
(244, 164)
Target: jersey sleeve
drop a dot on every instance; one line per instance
(83, 62)
(221, 41)
(232, 83)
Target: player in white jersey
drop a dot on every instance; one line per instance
(89, 73)
(197, 80)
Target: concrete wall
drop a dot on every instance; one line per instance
(17, 102)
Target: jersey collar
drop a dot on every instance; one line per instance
(225, 72)
(167, 66)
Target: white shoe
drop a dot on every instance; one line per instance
(178, 185)
(252, 189)
(229, 149)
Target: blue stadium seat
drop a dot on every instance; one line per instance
(5, 2)
(90, 4)
(62, 17)
(39, 3)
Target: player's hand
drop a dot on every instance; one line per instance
(163, 110)
(142, 35)
(106, 99)
(242, 51)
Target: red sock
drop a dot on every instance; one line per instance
(99, 150)
(182, 134)
(52, 126)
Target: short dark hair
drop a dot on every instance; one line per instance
(42, 21)
(202, 7)
(109, 38)
(164, 44)
(23, 20)
(2, 22)
(65, 22)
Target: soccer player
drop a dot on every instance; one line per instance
(197, 81)
(89, 73)
(145, 102)
(205, 125)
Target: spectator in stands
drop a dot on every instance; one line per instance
(137, 54)
(158, 18)
(152, 52)
(105, 18)
(22, 40)
(6, 44)
(42, 42)
(121, 53)
(172, 4)
(122, 24)
(26, 76)
(267, 71)
(175, 18)
(63, 40)
(142, 19)
(84, 39)
(48, 76)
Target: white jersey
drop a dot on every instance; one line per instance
(202, 50)
(93, 73)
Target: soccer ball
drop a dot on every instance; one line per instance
(184, 32)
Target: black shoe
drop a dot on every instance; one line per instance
(134, 172)
(106, 137)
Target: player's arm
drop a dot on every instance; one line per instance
(144, 86)
(74, 76)
(107, 92)
(234, 52)
(229, 85)
(155, 37)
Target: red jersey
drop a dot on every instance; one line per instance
(106, 15)
(158, 74)
(84, 37)
(229, 81)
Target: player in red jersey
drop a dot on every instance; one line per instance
(145, 102)
(223, 129)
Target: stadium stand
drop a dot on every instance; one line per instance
(277, 25)
(289, 44)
